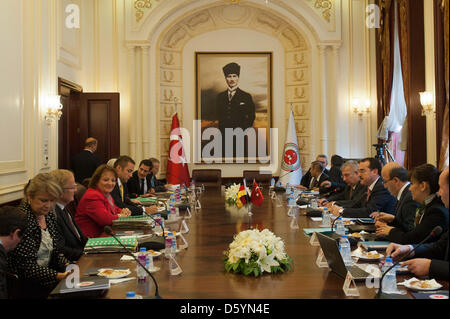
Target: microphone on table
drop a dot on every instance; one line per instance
(434, 233)
(334, 221)
(109, 231)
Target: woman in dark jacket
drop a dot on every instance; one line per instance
(431, 213)
(38, 260)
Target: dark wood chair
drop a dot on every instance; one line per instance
(207, 177)
(261, 179)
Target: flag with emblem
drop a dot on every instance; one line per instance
(257, 197)
(291, 170)
(177, 168)
(241, 199)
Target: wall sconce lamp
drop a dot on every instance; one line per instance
(54, 107)
(361, 106)
(426, 99)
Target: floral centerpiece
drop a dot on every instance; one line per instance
(255, 252)
(231, 193)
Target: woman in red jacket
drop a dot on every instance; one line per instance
(96, 208)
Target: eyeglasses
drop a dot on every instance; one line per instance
(72, 187)
(385, 182)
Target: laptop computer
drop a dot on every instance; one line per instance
(335, 262)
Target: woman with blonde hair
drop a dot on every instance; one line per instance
(38, 260)
(97, 209)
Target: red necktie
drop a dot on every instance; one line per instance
(368, 195)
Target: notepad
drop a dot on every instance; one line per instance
(377, 245)
(310, 231)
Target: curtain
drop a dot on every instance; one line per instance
(444, 156)
(385, 37)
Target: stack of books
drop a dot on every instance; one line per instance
(147, 201)
(110, 245)
(133, 222)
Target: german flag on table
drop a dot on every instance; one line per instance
(241, 197)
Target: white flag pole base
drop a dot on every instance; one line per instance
(188, 214)
(185, 244)
(294, 223)
(174, 267)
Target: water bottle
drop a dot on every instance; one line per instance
(158, 223)
(183, 189)
(272, 182)
(389, 284)
(173, 250)
(314, 204)
(291, 199)
(173, 213)
(168, 244)
(344, 248)
(287, 188)
(142, 259)
(326, 218)
(132, 295)
(340, 229)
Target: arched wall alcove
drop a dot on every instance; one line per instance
(165, 67)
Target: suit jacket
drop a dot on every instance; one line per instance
(84, 165)
(323, 177)
(3, 272)
(40, 280)
(306, 179)
(438, 253)
(405, 211)
(380, 200)
(336, 179)
(435, 215)
(94, 212)
(134, 185)
(239, 112)
(71, 245)
(349, 199)
(156, 184)
(136, 210)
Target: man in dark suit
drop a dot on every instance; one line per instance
(430, 259)
(73, 240)
(234, 109)
(86, 162)
(306, 179)
(353, 191)
(140, 184)
(377, 198)
(157, 185)
(317, 175)
(124, 167)
(395, 179)
(13, 223)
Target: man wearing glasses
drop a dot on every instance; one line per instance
(13, 223)
(395, 179)
(377, 198)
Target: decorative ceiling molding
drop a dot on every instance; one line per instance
(142, 6)
(326, 8)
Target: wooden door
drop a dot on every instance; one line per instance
(100, 118)
(87, 115)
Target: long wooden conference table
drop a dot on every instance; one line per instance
(211, 230)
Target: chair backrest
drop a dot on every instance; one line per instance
(207, 177)
(261, 179)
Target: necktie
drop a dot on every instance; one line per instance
(74, 229)
(121, 191)
(368, 195)
(313, 183)
(230, 95)
(142, 186)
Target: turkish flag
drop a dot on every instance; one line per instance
(177, 168)
(257, 196)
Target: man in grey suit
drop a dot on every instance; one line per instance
(395, 179)
(352, 192)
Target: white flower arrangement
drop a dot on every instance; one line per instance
(255, 252)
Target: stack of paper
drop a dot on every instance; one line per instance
(110, 244)
(133, 222)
